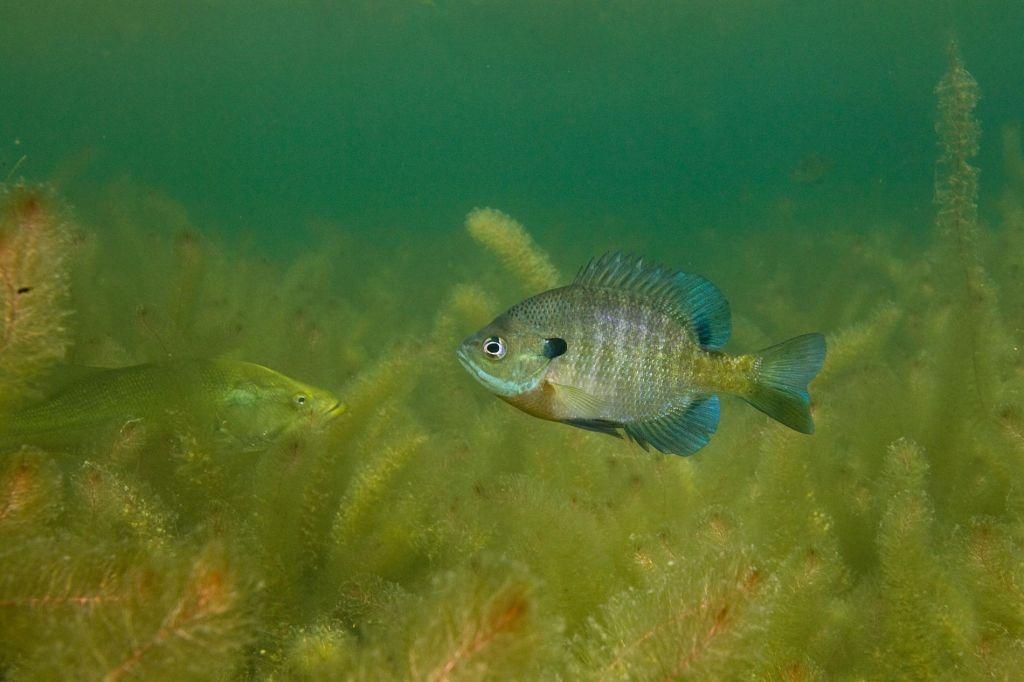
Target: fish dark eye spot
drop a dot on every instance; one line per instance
(300, 400)
(494, 346)
(554, 347)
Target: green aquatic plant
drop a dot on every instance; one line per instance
(35, 244)
(133, 606)
(510, 241)
(956, 195)
(431, 532)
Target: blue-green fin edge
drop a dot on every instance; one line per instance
(697, 303)
(683, 431)
(784, 371)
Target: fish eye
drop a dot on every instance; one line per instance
(494, 346)
(300, 399)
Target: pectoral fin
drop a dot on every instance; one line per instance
(577, 404)
(598, 425)
(578, 408)
(238, 437)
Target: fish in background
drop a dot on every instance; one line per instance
(633, 348)
(240, 404)
(812, 169)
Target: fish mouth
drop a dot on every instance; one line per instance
(337, 409)
(460, 353)
(478, 373)
(492, 383)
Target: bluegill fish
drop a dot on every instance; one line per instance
(634, 348)
(245, 404)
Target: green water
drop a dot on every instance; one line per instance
(669, 113)
(287, 184)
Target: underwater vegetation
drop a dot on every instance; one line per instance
(432, 532)
(34, 242)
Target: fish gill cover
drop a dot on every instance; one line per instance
(432, 532)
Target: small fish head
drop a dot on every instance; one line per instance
(264, 404)
(309, 403)
(505, 357)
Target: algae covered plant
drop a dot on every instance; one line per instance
(276, 468)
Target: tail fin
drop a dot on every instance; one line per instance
(782, 374)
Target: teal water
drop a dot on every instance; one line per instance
(267, 114)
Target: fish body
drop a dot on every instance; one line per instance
(634, 348)
(246, 403)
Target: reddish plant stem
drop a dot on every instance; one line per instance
(501, 620)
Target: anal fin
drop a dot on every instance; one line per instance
(682, 431)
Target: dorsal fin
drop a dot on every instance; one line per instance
(697, 303)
